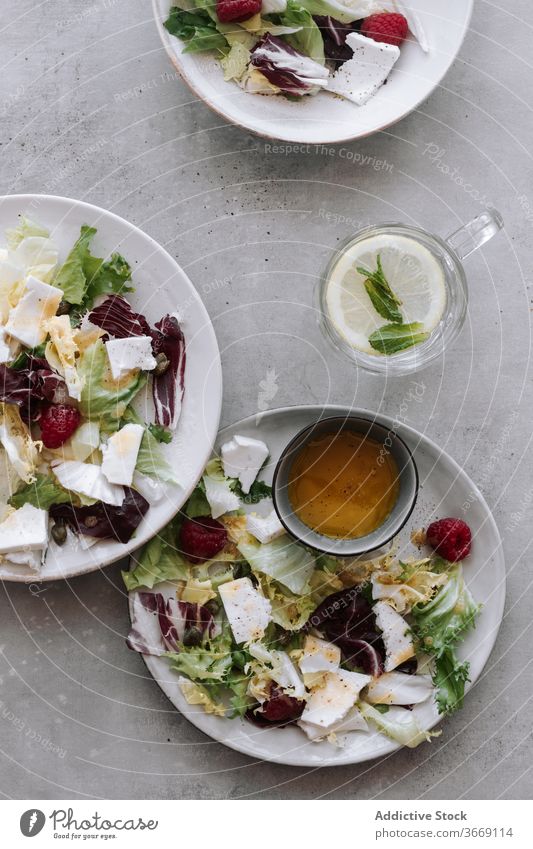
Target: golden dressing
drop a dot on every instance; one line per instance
(343, 485)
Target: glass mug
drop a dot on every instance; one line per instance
(449, 254)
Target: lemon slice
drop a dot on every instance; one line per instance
(413, 273)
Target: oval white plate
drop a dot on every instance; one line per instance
(444, 490)
(161, 287)
(326, 119)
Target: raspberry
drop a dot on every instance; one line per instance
(58, 422)
(202, 538)
(237, 10)
(451, 538)
(387, 27)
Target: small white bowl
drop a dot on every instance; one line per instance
(326, 119)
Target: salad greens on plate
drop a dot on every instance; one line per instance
(78, 461)
(255, 625)
(299, 47)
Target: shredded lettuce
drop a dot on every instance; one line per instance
(289, 611)
(104, 399)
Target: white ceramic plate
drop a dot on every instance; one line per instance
(161, 287)
(326, 119)
(445, 489)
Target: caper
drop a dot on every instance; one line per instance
(59, 532)
(63, 308)
(162, 364)
(91, 521)
(192, 636)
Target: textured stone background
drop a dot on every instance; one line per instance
(90, 108)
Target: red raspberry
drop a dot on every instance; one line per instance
(237, 10)
(388, 27)
(451, 538)
(58, 422)
(202, 538)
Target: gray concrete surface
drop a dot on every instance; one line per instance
(90, 108)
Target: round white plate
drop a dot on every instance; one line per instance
(161, 287)
(326, 119)
(445, 490)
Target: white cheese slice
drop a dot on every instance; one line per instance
(128, 354)
(396, 637)
(398, 688)
(242, 457)
(264, 528)
(32, 559)
(247, 610)
(120, 454)
(88, 479)
(353, 721)
(220, 497)
(319, 656)
(360, 77)
(26, 529)
(331, 700)
(10, 273)
(38, 304)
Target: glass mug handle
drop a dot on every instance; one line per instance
(471, 236)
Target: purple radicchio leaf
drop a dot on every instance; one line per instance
(104, 520)
(29, 387)
(347, 619)
(334, 36)
(283, 66)
(159, 624)
(116, 317)
(168, 387)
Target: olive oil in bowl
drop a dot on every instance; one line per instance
(343, 484)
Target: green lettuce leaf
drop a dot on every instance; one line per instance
(43, 492)
(202, 664)
(308, 40)
(198, 505)
(344, 12)
(71, 276)
(197, 28)
(150, 460)
(105, 277)
(103, 399)
(283, 560)
(398, 724)
(444, 620)
(160, 433)
(236, 62)
(449, 678)
(158, 560)
(289, 611)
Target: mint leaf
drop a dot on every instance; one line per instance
(392, 338)
(384, 301)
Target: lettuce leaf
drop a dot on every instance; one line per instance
(158, 560)
(289, 611)
(196, 694)
(150, 460)
(440, 623)
(26, 228)
(398, 724)
(450, 677)
(350, 10)
(105, 277)
(104, 399)
(71, 276)
(197, 29)
(308, 39)
(42, 492)
(283, 560)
